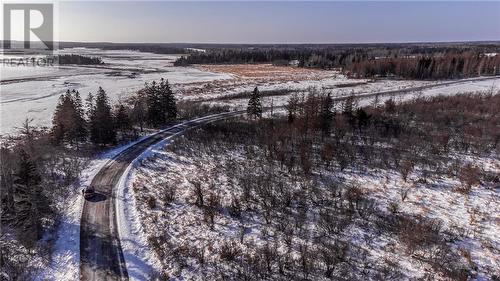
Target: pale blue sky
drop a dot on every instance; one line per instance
(279, 22)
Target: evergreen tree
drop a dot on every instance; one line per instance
(390, 106)
(167, 100)
(348, 109)
(155, 112)
(363, 117)
(254, 108)
(89, 106)
(30, 203)
(349, 105)
(139, 111)
(292, 108)
(68, 122)
(326, 114)
(122, 120)
(102, 129)
(27, 131)
(58, 124)
(161, 103)
(6, 185)
(79, 126)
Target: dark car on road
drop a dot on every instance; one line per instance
(88, 192)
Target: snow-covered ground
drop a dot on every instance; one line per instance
(140, 260)
(35, 91)
(473, 217)
(141, 263)
(475, 213)
(368, 89)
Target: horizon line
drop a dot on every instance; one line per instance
(268, 43)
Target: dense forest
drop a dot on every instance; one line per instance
(413, 62)
(448, 66)
(78, 59)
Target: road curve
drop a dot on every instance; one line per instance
(101, 256)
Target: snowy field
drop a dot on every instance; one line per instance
(32, 92)
(359, 91)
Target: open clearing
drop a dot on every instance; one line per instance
(32, 92)
(269, 72)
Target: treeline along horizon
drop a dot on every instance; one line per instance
(400, 61)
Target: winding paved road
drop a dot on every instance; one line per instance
(101, 256)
